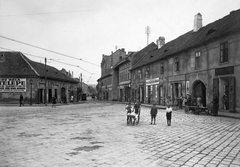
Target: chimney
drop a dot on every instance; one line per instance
(160, 42)
(197, 22)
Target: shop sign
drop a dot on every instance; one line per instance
(12, 85)
(224, 71)
(154, 81)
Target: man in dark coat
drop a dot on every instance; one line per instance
(153, 113)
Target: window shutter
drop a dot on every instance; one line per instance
(215, 87)
(231, 94)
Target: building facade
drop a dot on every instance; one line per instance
(122, 70)
(203, 62)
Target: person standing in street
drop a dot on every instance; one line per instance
(153, 114)
(137, 110)
(169, 115)
(21, 100)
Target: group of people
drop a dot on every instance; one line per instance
(154, 111)
(135, 112)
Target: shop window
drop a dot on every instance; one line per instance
(198, 60)
(176, 64)
(224, 52)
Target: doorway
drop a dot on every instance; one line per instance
(63, 95)
(225, 85)
(199, 89)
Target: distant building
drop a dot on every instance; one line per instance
(108, 83)
(20, 75)
(122, 69)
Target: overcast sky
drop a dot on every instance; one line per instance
(87, 29)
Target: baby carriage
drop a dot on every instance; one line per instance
(132, 116)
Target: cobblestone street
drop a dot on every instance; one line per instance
(96, 134)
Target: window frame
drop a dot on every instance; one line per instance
(147, 72)
(176, 64)
(198, 60)
(162, 68)
(224, 55)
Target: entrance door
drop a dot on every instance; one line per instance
(40, 95)
(63, 95)
(49, 95)
(121, 94)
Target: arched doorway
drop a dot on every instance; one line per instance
(199, 88)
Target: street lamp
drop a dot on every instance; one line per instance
(31, 82)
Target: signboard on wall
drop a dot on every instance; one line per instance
(154, 81)
(12, 85)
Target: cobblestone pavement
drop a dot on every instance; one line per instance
(96, 134)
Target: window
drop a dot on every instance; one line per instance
(148, 72)
(198, 60)
(161, 68)
(140, 74)
(224, 52)
(176, 63)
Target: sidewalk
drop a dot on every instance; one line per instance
(221, 113)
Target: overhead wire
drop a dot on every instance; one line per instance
(47, 13)
(51, 60)
(48, 50)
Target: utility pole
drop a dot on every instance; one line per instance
(147, 31)
(45, 93)
(81, 86)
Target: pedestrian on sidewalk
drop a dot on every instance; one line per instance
(153, 114)
(21, 100)
(169, 115)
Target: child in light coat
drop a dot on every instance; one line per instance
(169, 115)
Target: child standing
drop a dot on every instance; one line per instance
(169, 115)
(129, 110)
(153, 113)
